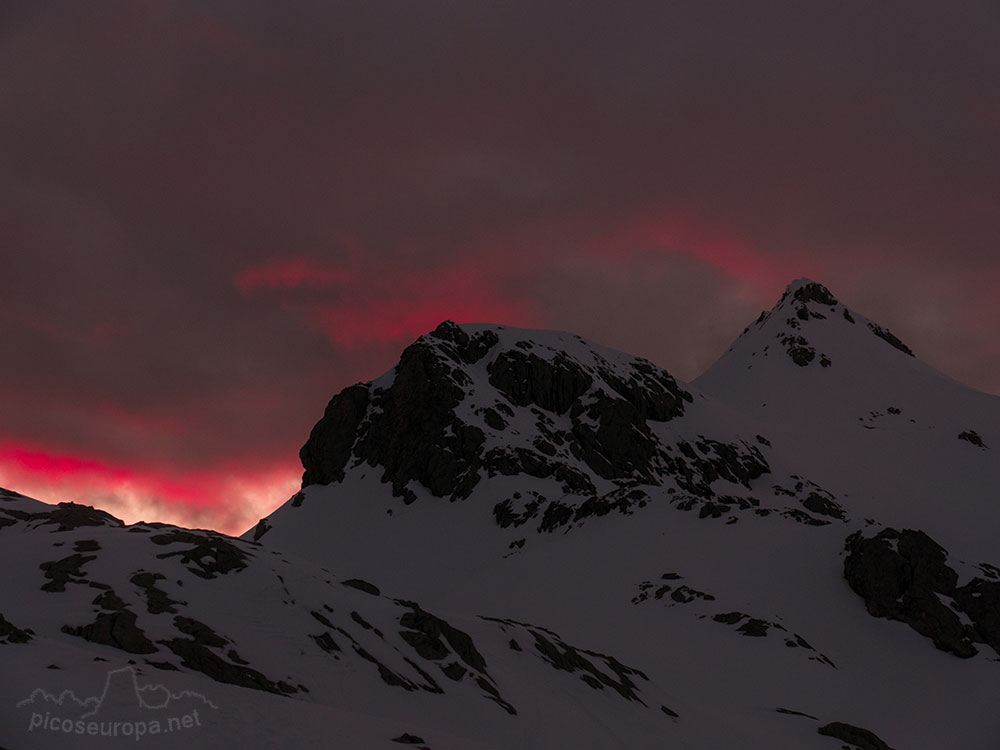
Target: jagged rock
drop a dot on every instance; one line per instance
(696, 470)
(11, 633)
(556, 514)
(971, 436)
(208, 554)
(328, 449)
(408, 739)
(565, 657)
(686, 595)
(357, 583)
(980, 600)
(325, 641)
(798, 349)
(66, 570)
(411, 430)
(653, 393)
(199, 657)
(115, 629)
(434, 627)
(899, 574)
(621, 499)
(621, 446)
(790, 712)
(493, 419)
(862, 739)
(465, 348)
(889, 338)
(110, 601)
(260, 529)
(157, 600)
(518, 460)
(825, 506)
(71, 516)
(553, 385)
(320, 617)
(814, 292)
(754, 627)
(425, 645)
(200, 633)
(364, 623)
(505, 515)
(397, 680)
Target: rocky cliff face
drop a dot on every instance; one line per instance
(904, 576)
(469, 403)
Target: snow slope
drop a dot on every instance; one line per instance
(603, 557)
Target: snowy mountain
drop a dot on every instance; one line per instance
(519, 538)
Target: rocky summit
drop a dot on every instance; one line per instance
(519, 538)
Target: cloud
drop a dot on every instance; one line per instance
(401, 308)
(213, 216)
(230, 498)
(291, 273)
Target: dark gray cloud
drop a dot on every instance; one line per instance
(648, 174)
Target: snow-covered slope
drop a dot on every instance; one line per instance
(139, 625)
(602, 556)
(849, 403)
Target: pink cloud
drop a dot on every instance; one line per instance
(403, 307)
(230, 498)
(730, 252)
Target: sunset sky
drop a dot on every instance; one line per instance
(215, 215)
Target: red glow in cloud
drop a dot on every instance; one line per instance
(409, 306)
(292, 273)
(229, 501)
(728, 252)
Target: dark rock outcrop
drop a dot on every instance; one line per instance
(360, 585)
(813, 292)
(408, 739)
(411, 432)
(903, 575)
(887, 336)
(66, 570)
(861, 739)
(563, 656)
(157, 600)
(527, 379)
(425, 631)
(115, 629)
(69, 516)
(971, 436)
(980, 600)
(199, 657)
(206, 554)
(824, 505)
(10, 633)
(328, 449)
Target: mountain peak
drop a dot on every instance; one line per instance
(811, 325)
(810, 343)
(443, 418)
(806, 290)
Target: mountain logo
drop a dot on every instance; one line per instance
(123, 708)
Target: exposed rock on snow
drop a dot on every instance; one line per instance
(902, 575)
(862, 739)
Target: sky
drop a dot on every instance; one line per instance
(216, 214)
